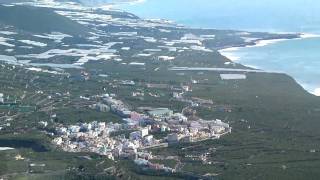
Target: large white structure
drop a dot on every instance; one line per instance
(160, 112)
(223, 124)
(144, 132)
(233, 76)
(1, 98)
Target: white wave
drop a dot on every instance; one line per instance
(230, 56)
(261, 43)
(308, 35)
(230, 52)
(317, 92)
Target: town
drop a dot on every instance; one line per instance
(133, 138)
(100, 93)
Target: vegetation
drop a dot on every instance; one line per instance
(275, 121)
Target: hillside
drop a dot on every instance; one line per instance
(39, 20)
(52, 83)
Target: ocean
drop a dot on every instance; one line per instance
(299, 58)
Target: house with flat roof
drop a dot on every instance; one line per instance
(160, 113)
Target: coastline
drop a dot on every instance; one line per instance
(230, 53)
(260, 43)
(227, 52)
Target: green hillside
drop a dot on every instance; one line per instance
(39, 20)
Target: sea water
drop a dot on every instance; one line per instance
(299, 58)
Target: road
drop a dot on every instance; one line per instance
(219, 69)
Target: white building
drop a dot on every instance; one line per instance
(220, 123)
(177, 95)
(160, 112)
(58, 141)
(187, 88)
(144, 132)
(1, 98)
(43, 123)
(102, 126)
(62, 130)
(233, 76)
(180, 117)
(149, 138)
(74, 129)
(218, 129)
(166, 58)
(163, 128)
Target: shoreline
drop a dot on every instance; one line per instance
(264, 42)
(229, 53)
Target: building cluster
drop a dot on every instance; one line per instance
(193, 131)
(103, 138)
(109, 103)
(153, 166)
(133, 138)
